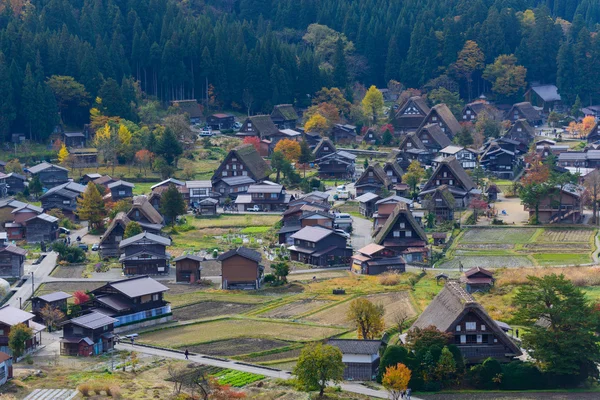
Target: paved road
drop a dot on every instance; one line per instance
(40, 272)
(223, 363)
(361, 232)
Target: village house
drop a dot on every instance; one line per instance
(492, 192)
(411, 114)
(120, 190)
(314, 197)
(441, 203)
(478, 280)
(300, 215)
(371, 136)
(7, 206)
(143, 212)
(220, 122)
(83, 157)
(338, 165)
(145, 254)
(56, 300)
(15, 183)
(12, 258)
(188, 268)
(467, 157)
(545, 97)
(90, 177)
(472, 111)
(104, 180)
(50, 175)
(360, 358)
(166, 183)
(133, 302)
(109, 244)
(384, 208)
(312, 138)
(449, 172)
(411, 148)
(343, 133)
(476, 335)
(522, 132)
(41, 228)
(366, 204)
(63, 197)
(498, 161)
(11, 316)
(594, 135)
(324, 148)
(199, 190)
(266, 196)
(3, 186)
(320, 247)
(374, 259)
(524, 111)
(6, 367)
(433, 138)
(373, 180)
(558, 205)
(545, 150)
(393, 172)
(189, 107)
(25, 212)
(441, 115)
(87, 335)
(439, 238)
(243, 163)
(403, 235)
(74, 139)
(284, 116)
(258, 125)
(241, 269)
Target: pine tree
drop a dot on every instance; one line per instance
(29, 100)
(35, 186)
(90, 207)
(169, 147)
(172, 204)
(340, 69)
(7, 104)
(393, 63)
(132, 229)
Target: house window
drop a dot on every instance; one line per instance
(234, 159)
(437, 182)
(234, 167)
(519, 129)
(409, 144)
(468, 112)
(66, 202)
(445, 175)
(224, 173)
(396, 233)
(325, 148)
(370, 173)
(483, 327)
(408, 233)
(227, 166)
(479, 339)
(402, 225)
(463, 339)
(118, 238)
(451, 182)
(457, 328)
(1, 332)
(464, 117)
(77, 330)
(274, 195)
(245, 173)
(155, 297)
(121, 193)
(434, 118)
(471, 326)
(137, 213)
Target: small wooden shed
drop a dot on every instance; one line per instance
(188, 268)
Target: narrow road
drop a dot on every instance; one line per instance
(222, 363)
(40, 273)
(361, 232)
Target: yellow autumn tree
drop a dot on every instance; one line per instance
(367, 317)
(372, 104)
(317, 123)
(124, 135)
(63, 154)
(588, 123)
(395, 380)
(289, 148)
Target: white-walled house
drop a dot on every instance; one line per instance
(361, 358)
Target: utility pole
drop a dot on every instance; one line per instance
(32, 285)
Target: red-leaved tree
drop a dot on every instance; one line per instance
(80, 297)
(254, 141)
(478, 205)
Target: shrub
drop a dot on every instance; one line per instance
(518, 375)
(113, 391)
(269, 278)
(389, 279)
(393, 355)
(70, 254)
(85, 389)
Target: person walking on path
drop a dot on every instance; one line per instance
(408, 392)
(187, 353)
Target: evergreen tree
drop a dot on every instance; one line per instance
(172, 204)
(340, 69)
(7, 103)
(132, 229)
(35, 186)
(169, 147)
(30, 100)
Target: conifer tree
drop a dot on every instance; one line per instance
(172, 204)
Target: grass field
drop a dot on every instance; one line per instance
(235, 221)
(234, 328)
(499, 235)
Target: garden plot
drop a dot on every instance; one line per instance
(207, 309)
(295, 308)
(236, 347)
(566, 235)
(184, 336)
(393, 303)
(284, 355)
(68, 271)
(498, 235)
(485, 261)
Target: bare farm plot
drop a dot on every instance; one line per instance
(236, 347)
(393, 303)
(188, 335)
(566, 235)
(207, 309)
(283, 355)
(483, 261)
(498, 235)
(295, 308)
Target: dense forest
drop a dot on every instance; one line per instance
(252, 54)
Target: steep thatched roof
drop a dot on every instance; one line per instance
(263, 124)
(524, 126)
(414, 139)
(378, 172)
(526, 110)
(321, 145)
(246, 153)
(457, 170)
(436, 133)
(445, 115)
(142, 204)
(393, 165)
(401, 209)
(284, 112)
(121, 219)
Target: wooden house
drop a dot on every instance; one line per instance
(120, 190)
(545, 97)
(433, 138)
(594, 135)
(6, 367)
(88, 335)
(137, 301)
(145, 254)
(7, 206)
(374, 259)
(25, 212)
(90, 177)
(393, 172)
(41, 228)
(385, 207)
(372, 136)
(522, 132)
(267, 196)
(188, 268)
(15, 183)
(74, 139)
(441, 203)
(63, 197)
(403, 235)
(360, 358)
(411, 114)
(50, 175)
(545, 150)
(411, 142)
(467, 157)
(343, 133)
(84, 157)
(109, 244)
(479, 109)
(143, 212)
(449, 172)
(324, 148)
(207, 206)
(478, 280)
(189, 107)
(284, 116)
(12, 260)
(366, 204)
(558, 205)
(104, 180)
(11, 316)
(320, 247)
(439, 238)
(492, 192)
(373, 180)
(476, 335)
(199, 190)
(441, 115)
(220, 122)
(524, 111)
(258, 125)
(241, 269)
(56, 300)
(166, 183)
(232, 187)
(312, 138)
(498, 161)
(338, 165)
(302, 215)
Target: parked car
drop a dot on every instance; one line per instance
(95, 247)
(255, 208)
(206, 131)
(237, 125)
(343, 233)
(82, 246)
(64, 230)
(342, 221)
